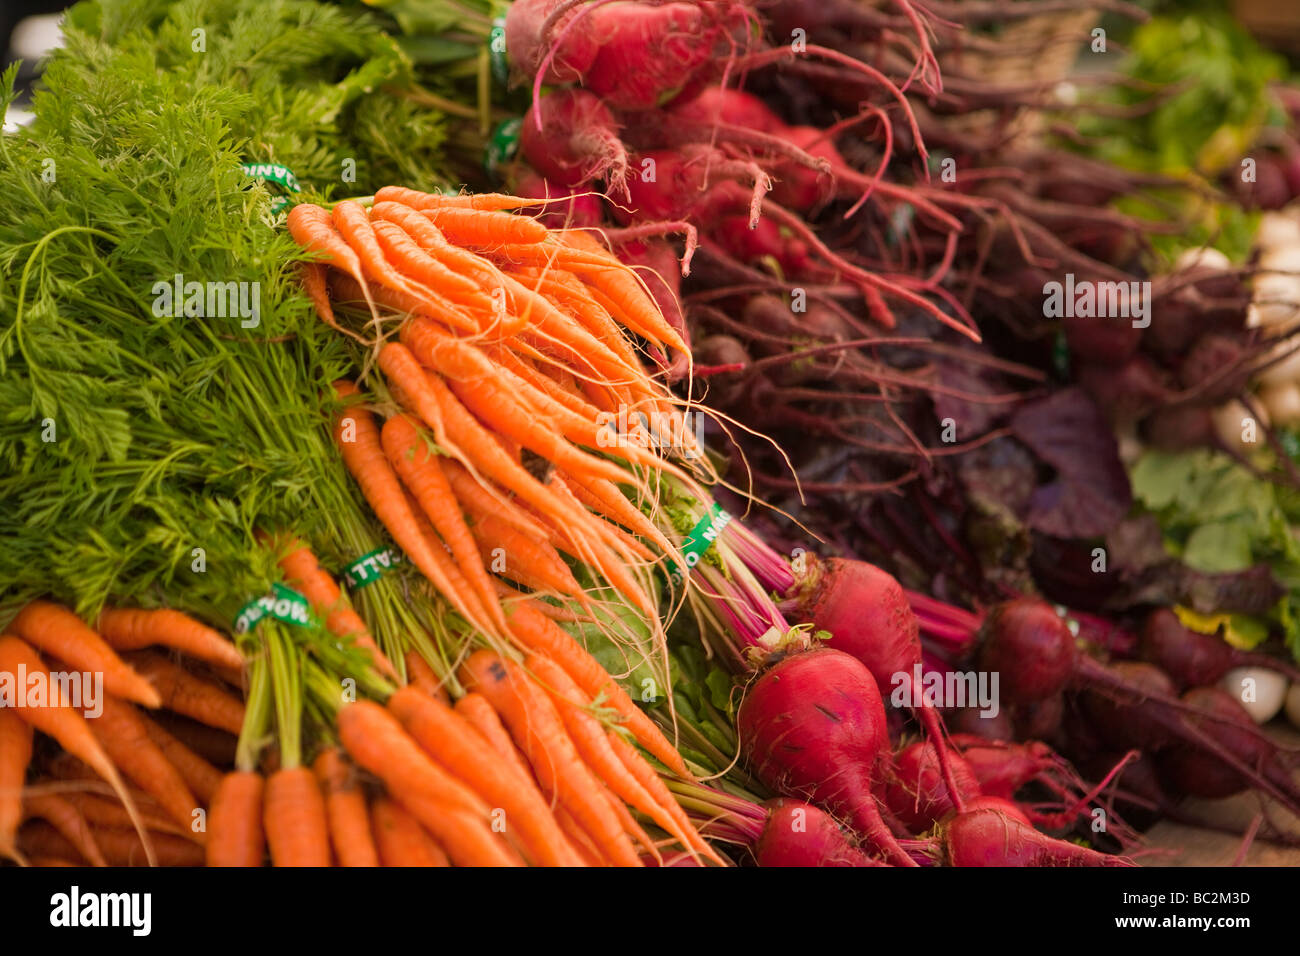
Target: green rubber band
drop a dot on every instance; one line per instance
(369, 568)
(283, 604)
(502, 144)
(700, 540)
(497, 50)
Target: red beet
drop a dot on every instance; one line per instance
(1002, 767)
(528, 47)
(1029, 646)
(717, 104)
(1105, 341)
(649, 53)
(971, 722)
(814, 725)
(868, 616)
(1127, 723)
(799, 834)
(1193, 659)
(990, 836)
(1040, 720)
(577, 142)
(914, 790)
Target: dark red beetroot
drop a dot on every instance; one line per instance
(1127, 723)
(914, 790)
(1195, 772)
(1040, 720)
(1106, 341)
(532, 34)
(1179, 427)
(799, 834)
(814, 725)
(972, 722)
(1032, 650)
(577, 142)
(994, 836)
(1193, 659)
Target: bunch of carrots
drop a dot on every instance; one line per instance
(520, 769)
(511, 342)
(502, 345)
(123, 788)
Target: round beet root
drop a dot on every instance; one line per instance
(1040, 720)
(814, 725)
(914, 789)
(1032, 650)
(799, 834)
(971, 721)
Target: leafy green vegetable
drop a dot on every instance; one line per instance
(1218, 517)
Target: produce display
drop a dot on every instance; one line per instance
(459, 433)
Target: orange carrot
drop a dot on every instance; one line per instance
(533, 564)
(484, 201)
(536, 727)
(543, 636)
(199, 775)
(67, 819)
(629, 824)
(474, 227)
(235, 834)
(453, 813)
(407, 256)
(504, 402)
(621, 293)
(430, 239)
(349, 292)
(400, 839)
(104, 812)
(649, 779)
(345, 803)
(511, 596)
(312, 228)
(593, 745)
(354, 224)
(57, 719)
(358, 438)
(303, 573)
(476, 709)
(579, 838)
(120, 847)
(15, 755)
(57, 631)
(604, 498)
(295, 820)
(419, 470)
(455, 744)
(422, 677)
(134, 628)
(122, 734)
(495, 464)
(479, 500)
(191, 695)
